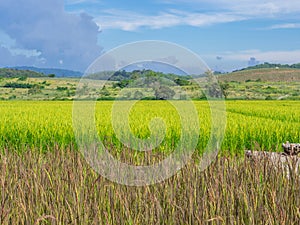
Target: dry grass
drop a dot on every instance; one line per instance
(271, 75)
(58, 187)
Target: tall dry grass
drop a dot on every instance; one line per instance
(58, 187)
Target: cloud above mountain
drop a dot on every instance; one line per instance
(54, 37)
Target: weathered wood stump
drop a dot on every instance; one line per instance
(288, 160)
(291, 149)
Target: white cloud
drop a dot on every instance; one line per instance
(129, 21)
(239, 59)
(289, 5)
(76, 2)
(288, 57)
(10, 44)
(217, 11)
(259, 8)
(285, 26)
(43, 31)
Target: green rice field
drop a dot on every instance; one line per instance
(250, 124)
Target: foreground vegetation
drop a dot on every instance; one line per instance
(58, 187)
(45, 180)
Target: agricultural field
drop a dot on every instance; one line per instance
(250, 124)
(44, 179)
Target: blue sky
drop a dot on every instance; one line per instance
(72, 33)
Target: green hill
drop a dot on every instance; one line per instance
(48, 71)
(267, 65)
(14, 73)
(265, 75)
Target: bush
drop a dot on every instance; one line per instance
(12, 97)
(61, 88)
(138, 95)
(23, 78)
(17, 85)
(269, 97)
(164, 92)
(182, 82)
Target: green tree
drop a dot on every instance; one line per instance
(22, 78)
(138, 95)
(163, 92)
(213, 88)
(182, 82)
(105, 91)
(225, 89)
(35, 89)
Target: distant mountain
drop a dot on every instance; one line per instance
(125, 77)
(156, 67)
(48, 71)
(13, 73)
(267, 65)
